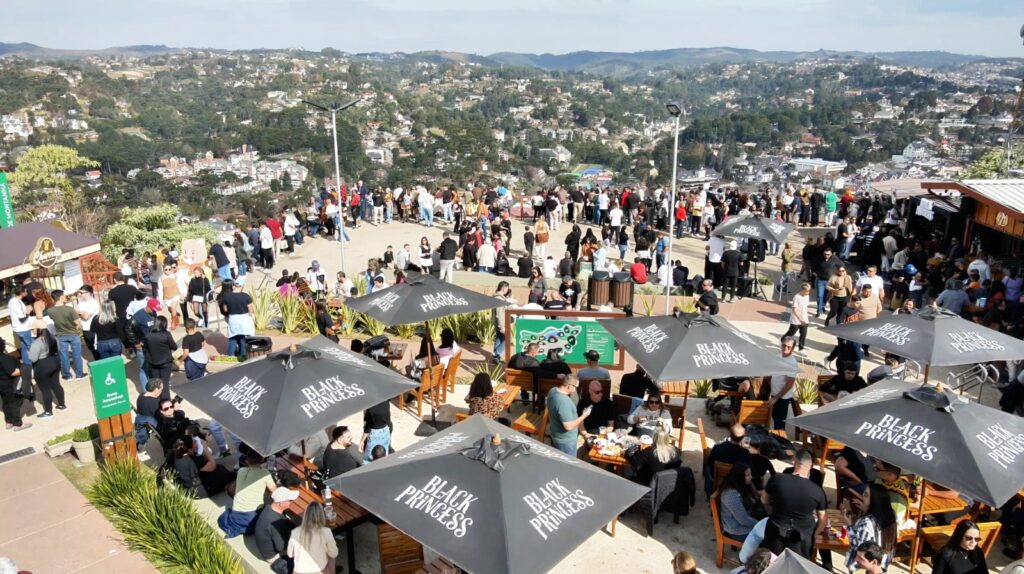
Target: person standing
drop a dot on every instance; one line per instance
(193, 356)
(160, 347)
(104, 327)
(824, 268)
(730, 262)
(221, 261)
(88, 308)
(236, 306)
(426, 204)
(46, 370)
(312, 546)
(782, 386)
(376, 429)
(267, 247)
(831, 207)
(798, 317)
(542, 235)
(504, 293)
(10, 396)
(21, 324)
(69, 340)
(122, 295)
(529, 239)
(447, 251)
(169, 295)
(796, 509)
(839, 287)
(563, 420)
(707, 302)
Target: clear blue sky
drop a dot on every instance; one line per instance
(987, 27)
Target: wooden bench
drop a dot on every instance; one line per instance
(430, 382)
(721, 540)
(754, 412)
(459, 417)
(448, 379)
(440, 565)
(829, 447)
(704, 448)
(524, 379)
(399, 554)
(533, 424)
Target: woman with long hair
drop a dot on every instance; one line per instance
(876, 522)
(962, 554)
(572, 242)
(46, 369)
(738, 498)
(661, 456)
(426, 255)
(160, 347)
(215, 478)
(104, 325)
(41, 301)
(448, 347)
(199, 290)
(482, 399)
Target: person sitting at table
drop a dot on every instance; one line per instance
(554, 363)
(593, 370)
(662, 455)
(899, 488)
(890, 368)
(425, 358)
(729, 451)
(601, 415)
(448, 347)
(648, 413)
(867, 558)
(739, 502)
(854, 469)
(216, 478)
(273, 529)
(482, 399)
(841, 385)
(637, 384)
(526, 360)
(962, 554)
(378, 452)
(185, 470)
(341, 455)
(312, 546)
(251, 483)
(874, 522)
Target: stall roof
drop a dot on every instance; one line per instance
(899, 188)
(1007, 194)
(17, 243)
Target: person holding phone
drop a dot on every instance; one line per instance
(563, 420)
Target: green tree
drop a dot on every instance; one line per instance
(43, 183)
(275, 186)
(286, 182)
(143, 229)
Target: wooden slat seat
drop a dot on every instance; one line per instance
(721, 540)
(532, 424)
(440, 565)
(754, 412)
(449, 375)
(430, 381)
(399, 554)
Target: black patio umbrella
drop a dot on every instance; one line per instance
(754, 226)
(419, 299)
(932, 336)
(274, 401)
(933, 433)
(518, 506)
(790, 562)
(694, 346)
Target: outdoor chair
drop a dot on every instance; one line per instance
(671, 490)
(704, 448)
(533, 424)
(721, 540)
(399, 554)
(721, 471)
(754, 412)
(440, 565)
(430, 382)
(449, 376)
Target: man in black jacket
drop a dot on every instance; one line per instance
(680, 274)
(824, 268)
(526, 360)
(447, 251)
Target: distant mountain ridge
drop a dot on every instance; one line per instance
(27, 50)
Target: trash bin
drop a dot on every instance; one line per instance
(598, 287)
(622, 290)
(257, 346)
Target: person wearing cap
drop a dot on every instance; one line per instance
(569, 291)
(141, 324)
(316, 279)
(273, 529)
(69, 341)
(593, 370)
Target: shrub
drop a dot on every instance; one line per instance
(61, 438)
(291, 307)
(405, 331)
(495, 372)
(483, 327)
(702, 388)
(806, 391)
(160, 521)
(84, 434)
(371, 326)
(264, 308)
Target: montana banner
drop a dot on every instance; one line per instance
(6, 205)
(109, 387)
(572, 338)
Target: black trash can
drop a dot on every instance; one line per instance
(622, 290)
(598, 289)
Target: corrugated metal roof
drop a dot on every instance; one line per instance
(899, 188)
(1008, 193)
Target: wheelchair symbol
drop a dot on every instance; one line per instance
(109, 380)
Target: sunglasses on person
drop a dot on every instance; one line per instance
(597, 392)
(654, 402)
(167, 408)
(972, 538)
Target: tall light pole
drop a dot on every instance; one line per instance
(337, 167)
(676, 112)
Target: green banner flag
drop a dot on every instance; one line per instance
(6, 206)
(110, 387)
(572, 338)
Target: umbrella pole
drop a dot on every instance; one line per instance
(915, 546)
(305, 475)
(926, 367)
(433, 391)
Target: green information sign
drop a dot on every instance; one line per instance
(573, 338)
(6, 206)
(110, 387)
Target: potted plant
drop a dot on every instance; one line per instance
(81, 440)
(58, 445)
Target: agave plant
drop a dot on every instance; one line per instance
(371, 326)
(483, 327)
(264, 308)
(495, 371)
(307, 318)
(701, 388)
(686, 304)
(291, 307)
(360, 284)
(806, 391)
(407, 331)
(434, 328)
(345, 319)
(648, 302)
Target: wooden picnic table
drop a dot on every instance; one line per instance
(937, 505)
(617, 462)
(509, 394)
(347, 515)
(825, 540)
(395, 351)
(298, 466)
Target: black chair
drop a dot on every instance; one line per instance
(672, 490)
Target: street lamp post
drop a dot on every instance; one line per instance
(337, 167)
(676, 111)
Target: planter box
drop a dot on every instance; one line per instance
(85, 451)
(55, 450)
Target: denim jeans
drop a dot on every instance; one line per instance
(446, 211)
(224, 272)
(567, 446)
(236, 346)
(26, 341)
(499, 345)
(243, 268)
(679, 229)
(820, 284)
(108, 348)
(74, 344)
(140, 356)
